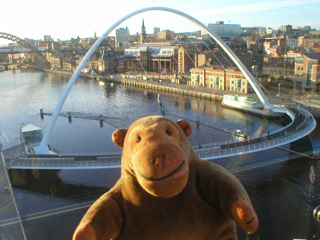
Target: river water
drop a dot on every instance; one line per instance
(52, 202)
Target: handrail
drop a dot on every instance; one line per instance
(115, 161)
(206, 152)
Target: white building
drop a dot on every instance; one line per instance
(123, 37)
(223, 30)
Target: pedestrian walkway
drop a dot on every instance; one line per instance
(302, 124)
(11, 227)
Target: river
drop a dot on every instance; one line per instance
(52, 202)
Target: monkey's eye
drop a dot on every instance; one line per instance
(138, 139)
(169, 132)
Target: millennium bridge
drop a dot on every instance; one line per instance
(302, 123)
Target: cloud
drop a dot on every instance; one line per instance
(254, 7)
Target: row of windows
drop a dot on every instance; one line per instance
(218, 74)
(228, 88)
(166, 52)
(217, 82)
(214, 74)
(197, 77)
(234, 76)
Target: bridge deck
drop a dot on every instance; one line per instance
(302, 125)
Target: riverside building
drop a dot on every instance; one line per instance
(307, 73)
(159, 58)
(220, 78)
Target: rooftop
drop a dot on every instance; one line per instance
(314, 55)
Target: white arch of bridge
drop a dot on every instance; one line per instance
(43, 148)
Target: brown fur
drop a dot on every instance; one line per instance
(166, 191)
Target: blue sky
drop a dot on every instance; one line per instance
(65, 19)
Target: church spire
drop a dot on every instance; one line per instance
(143, 28)
(143, 34)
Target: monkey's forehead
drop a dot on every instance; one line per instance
(151, 120)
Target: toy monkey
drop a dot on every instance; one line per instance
(166, 192)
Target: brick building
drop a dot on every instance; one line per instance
(147, 58)
(220, 78)
(309, 41)
(187, 57)
(278, 67)
(307, 73)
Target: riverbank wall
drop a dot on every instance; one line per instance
(164, 87)
(172, 89)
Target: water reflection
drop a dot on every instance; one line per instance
(279, 197)
(52, 202)
(56, 200)
(49, 183)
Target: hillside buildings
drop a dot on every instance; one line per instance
(273, 55)
(309, 42)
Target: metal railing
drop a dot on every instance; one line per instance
(64, 163)
(206, 152)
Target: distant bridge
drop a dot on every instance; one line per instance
(27, 45)
(13, 50)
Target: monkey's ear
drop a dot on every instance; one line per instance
(118, 136)
(185, 126)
